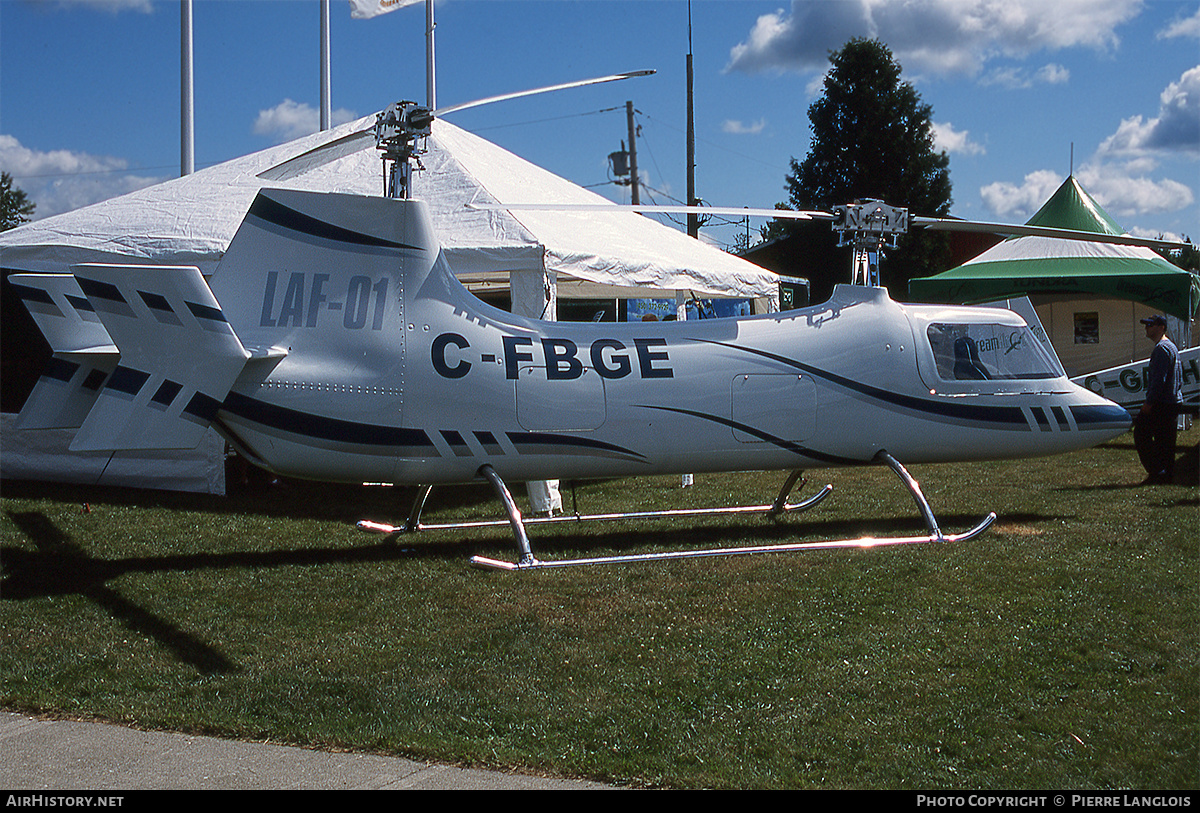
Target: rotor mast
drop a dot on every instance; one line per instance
(868, 228)
(397, 129)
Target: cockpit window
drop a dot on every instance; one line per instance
(989, 352)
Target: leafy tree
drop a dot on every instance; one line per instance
(15, 207)
(872, 137)
(1187, 258)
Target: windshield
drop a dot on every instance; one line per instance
(989, 352)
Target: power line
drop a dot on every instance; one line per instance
(721, 147)
(542, 121)
(92, 172)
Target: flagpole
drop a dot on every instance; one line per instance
(326, 104)
(187, 147)
(430, 81)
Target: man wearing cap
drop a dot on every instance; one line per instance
(1154, 430)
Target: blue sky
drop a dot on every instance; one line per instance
(89, 91)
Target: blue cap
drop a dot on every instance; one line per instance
(1156, 319)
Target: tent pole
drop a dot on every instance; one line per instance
(693, 222)
(430, 78)
(326, 103)
(187, 146)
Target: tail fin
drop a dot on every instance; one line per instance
(178, 357)
(84, 355)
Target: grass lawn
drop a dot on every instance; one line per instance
(1058, 650)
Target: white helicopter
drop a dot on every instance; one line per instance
(335, 343)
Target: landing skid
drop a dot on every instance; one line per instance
(413, 523)
(780, 506)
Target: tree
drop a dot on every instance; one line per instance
(15, 207)
(872, 137)
(1187, 258)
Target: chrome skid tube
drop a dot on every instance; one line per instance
(778, 507)
(865, 542)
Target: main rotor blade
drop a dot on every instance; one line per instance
(346, 145)
(727, 211)
(616, 77)
(942, 224)
(319, 156)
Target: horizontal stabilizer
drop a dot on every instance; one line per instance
(66, 391)
(179, 357)
(63, 314)
(84, 355)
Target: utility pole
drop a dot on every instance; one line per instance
(634, 182)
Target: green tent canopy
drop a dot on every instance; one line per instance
(1046, 265)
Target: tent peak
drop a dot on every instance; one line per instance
(1071, 207)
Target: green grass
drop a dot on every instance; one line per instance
(1059, 649)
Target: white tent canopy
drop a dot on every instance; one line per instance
(191, 220)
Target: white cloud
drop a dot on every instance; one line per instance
(1016, 78)
(111, 6)
(1121, 189)
(1126, 190)
(1020, 201)
(930, 36)
(946, 138)
(1159, 234)
(1175, 129)
(60, 180)
(1124, 175)
(741, 128)
(1183, 27)
(289, 120)
(1052, 74)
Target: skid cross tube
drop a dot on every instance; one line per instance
(514, 514)
(915, 489)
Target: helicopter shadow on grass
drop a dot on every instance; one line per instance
(60, 565)
(262, 496)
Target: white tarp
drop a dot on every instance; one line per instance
(43, 454)
(191, 220)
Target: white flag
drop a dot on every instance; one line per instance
(366, 9)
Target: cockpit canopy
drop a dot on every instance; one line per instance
(965, 351)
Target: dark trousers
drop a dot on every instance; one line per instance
(1154, 438)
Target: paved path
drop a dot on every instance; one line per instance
(62, 755)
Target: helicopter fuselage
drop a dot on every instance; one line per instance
(369, 362)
